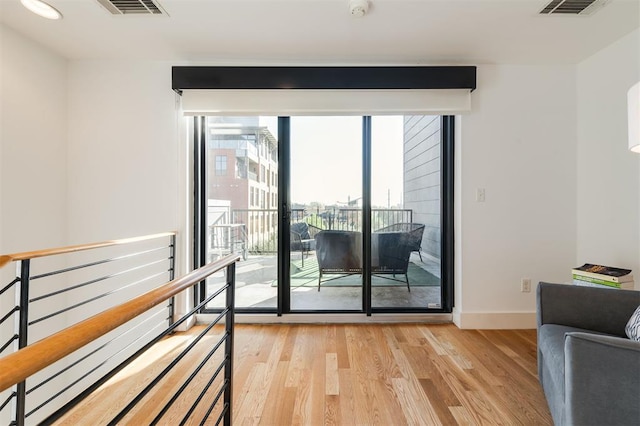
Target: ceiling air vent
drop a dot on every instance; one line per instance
(572, 7)
(132, 7)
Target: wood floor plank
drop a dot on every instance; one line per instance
(462, 416)
(342, 374)
(341, 348)
(332, 410)
(318, 369)
(439, 403)
(278, 410)
(332, 381)
(289, 344)
(416, 407)
(351, 411)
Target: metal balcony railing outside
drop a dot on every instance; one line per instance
(260, 226)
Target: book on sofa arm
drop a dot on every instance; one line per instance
(603, 273)
(593, 282)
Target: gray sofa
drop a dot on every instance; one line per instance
(588, 368)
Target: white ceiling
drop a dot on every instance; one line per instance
(284, 32)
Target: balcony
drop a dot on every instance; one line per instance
(253, 234)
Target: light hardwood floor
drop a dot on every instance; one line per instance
(412, 374)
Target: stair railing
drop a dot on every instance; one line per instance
(95, 344)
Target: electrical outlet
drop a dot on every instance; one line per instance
(525, 285)
(480, 195)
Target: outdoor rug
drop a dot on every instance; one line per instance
(308, 277)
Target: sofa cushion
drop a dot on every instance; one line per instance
(632, 328)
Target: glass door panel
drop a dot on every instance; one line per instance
(242, 200)
(326, 213)
(405, 212)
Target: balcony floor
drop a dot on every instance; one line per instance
(256, 288)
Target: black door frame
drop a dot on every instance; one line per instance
(284, 203)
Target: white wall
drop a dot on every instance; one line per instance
(33, 160)
(33, 141)
(128, 172)
(519, 145)
(123, 150)
(33, 163)
(608, 196)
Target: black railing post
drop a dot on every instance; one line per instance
(228, 347)
(172, 274)
(23, 325)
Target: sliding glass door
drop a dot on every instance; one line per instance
(347, 214)
(325, 213)
(406, 212)
(239, 205)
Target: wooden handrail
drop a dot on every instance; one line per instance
(4, 259)
(16, 367)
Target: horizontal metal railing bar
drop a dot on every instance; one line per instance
(225, 408)
(4, 259)
(16, 367)
(99, 348)
(189, 379)
(11, 340)
(93, 299)
(85, 375)
(99, 262)
(164, 372)
(146, 347)
(4, 404)
(9, 314)
(215, 401)
(204, 391)
(8, 286)
(102, 278)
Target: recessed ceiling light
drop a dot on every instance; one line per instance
(42, 9)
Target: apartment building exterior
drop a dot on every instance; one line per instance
(242, 176)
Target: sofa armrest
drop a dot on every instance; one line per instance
(602, 380)
(590, 308)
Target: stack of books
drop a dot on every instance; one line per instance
(602, 276)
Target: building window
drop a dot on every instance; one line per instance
(221, 165)
(263, 173)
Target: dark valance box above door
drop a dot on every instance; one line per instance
(324, 90)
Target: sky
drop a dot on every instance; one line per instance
(326, 159)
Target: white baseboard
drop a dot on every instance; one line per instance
(494, 320)
(464, 320)
(332, 318)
